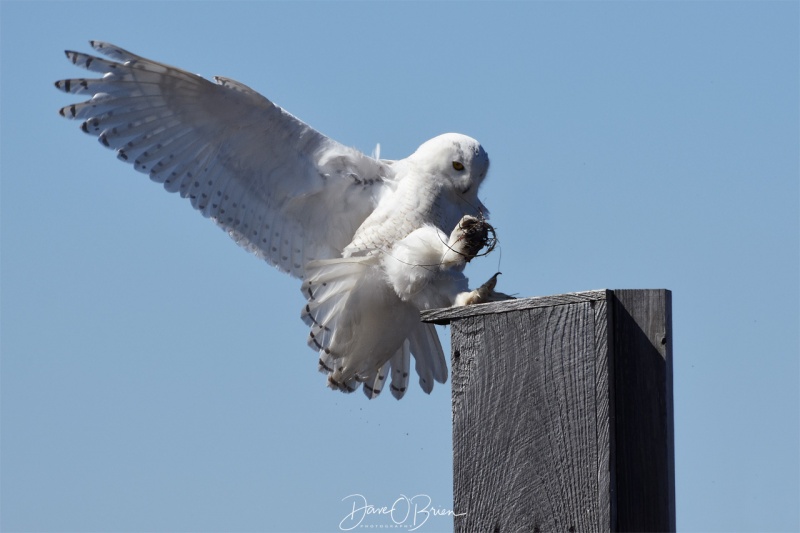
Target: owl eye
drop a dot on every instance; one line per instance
(457, 165)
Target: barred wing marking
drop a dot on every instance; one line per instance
(278, 187)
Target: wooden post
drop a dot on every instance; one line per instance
(562, 413)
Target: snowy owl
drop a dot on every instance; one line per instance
(374, 241)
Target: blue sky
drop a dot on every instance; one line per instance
(155, 377)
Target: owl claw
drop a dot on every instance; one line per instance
(483, 294)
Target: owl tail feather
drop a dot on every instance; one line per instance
(363, 332)
(430, 362)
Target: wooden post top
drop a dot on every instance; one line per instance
(448, 314)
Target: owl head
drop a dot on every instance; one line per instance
(459, 159)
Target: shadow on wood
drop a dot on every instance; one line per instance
(562, 413)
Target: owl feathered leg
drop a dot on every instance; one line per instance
(426, 267)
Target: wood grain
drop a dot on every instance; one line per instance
(525, 427)
(540, 441)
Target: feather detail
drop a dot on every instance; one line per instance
(430, 363)
(347, 302)
(401, 362)
(374, 384)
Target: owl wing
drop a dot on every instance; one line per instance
(277, 186)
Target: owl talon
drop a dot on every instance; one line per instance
(483, 294)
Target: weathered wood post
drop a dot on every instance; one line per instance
(562, 413)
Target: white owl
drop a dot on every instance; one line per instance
(374, 241)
